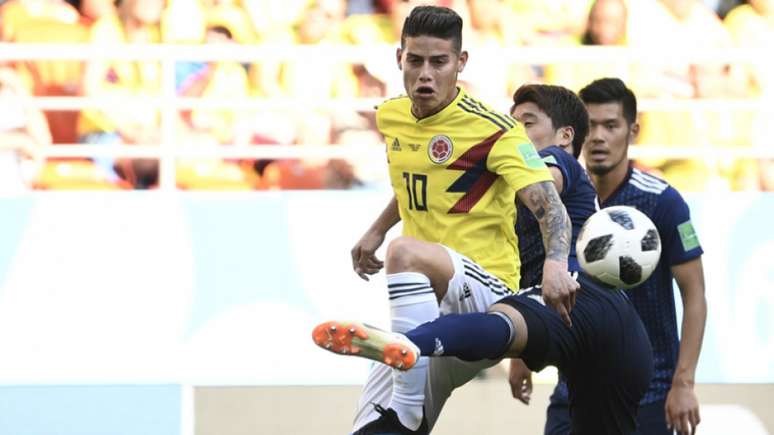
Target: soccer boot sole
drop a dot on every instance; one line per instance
(357, 339)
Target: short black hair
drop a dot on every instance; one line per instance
(435, 21)
(611, 90)
(561, 105)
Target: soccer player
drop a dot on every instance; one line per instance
(557, 123)
(456, 167)
(606, 354)
(670, 402)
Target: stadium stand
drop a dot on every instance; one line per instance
(129, 100)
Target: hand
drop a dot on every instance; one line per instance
(364, 260)
(559, 288)
(682, 409)
(520, 379)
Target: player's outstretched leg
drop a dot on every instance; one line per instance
(471, 337)
(357, 339)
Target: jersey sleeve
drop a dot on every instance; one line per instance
(515, 159)
(679, 241)
(558, 158)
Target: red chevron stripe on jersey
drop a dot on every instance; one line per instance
(476, 179)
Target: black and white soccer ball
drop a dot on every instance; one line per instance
(619, 246)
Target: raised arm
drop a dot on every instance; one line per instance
(558, 287)
(364, 260)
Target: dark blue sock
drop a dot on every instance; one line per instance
(470, 337)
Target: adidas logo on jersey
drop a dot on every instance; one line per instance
(438, 351)
(466, 293)
(396, 145)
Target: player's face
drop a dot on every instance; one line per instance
(608, 140)
(430, 66)
(540, 129)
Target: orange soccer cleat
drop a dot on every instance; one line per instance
(351, 338)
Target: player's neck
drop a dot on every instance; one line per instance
(420, 114)
(608, 183)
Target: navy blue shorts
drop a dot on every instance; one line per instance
(606, 356)
(651, 418)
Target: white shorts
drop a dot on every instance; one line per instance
(471, 290)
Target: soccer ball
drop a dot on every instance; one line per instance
(619, 246)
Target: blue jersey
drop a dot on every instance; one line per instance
(654, 299)
(580, 200)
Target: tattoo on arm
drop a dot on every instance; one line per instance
(555, 226)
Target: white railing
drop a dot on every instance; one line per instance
(348, 151)
(357, 54)
(168, 103)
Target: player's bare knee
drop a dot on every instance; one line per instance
(406, 254)
(403, 256)
(520, 328)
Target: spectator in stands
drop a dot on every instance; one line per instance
(222, 80)
(376, 76)
(41, 21)
(228, 14)
(752, 25)
(687, 25)
(490, 33)
(23, 132)
(215, 127)
(273, 23)
(320, 24)
(93, 10)
(606, 25)
(550, 23)
(16, 15)
(273, 20)
(137, 21)
(681, 24)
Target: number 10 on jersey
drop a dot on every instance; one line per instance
(416, 186)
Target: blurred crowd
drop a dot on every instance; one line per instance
(490, 26)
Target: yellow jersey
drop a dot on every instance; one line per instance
(455, 175)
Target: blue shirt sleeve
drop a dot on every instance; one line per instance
(557, 157)
(679, 241)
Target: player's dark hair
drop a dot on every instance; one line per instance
(435, 21)
(611, 90)
(561, 105)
